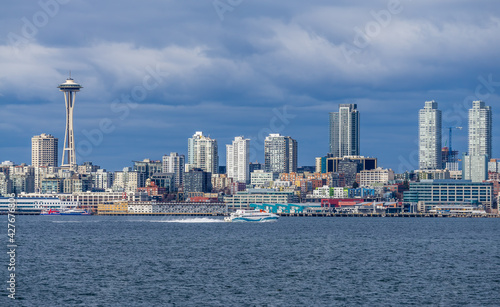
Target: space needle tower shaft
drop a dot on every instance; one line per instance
(69, 88)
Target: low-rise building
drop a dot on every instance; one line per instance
(322, 192)
(5, 184)
(91, 200)
(102, 180)
(153, 190)
(260, 178)
(77, 183)
(433, 174)
(22, 183)
(245, 198)
(128, 181)
(197, 180)
(51, 185)
(494, 166)
(475, 167)
(87, 168)
(112, 208)
(191, 208)
(374, 176)
(220, 182)
(428, 193)
(365, 163)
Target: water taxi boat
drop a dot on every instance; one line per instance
(251, 216)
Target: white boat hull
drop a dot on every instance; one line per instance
(251, 216)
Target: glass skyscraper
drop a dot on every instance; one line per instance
(344, 131)
(238, 159)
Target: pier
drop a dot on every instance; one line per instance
(333, 214)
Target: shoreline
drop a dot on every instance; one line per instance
(322, 214)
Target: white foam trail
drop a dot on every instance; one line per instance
(190, 220)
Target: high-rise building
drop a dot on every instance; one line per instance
(174, 164)
(70, 87)
(475, 163)
(430, 136)
(44, 150)
(480, 129)
(344, 131)
(203, 153)
(280, 154)
(237, 159)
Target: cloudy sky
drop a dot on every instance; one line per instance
(155, 72)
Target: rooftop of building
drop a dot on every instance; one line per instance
(449, 181)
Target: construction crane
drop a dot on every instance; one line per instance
(450, 150)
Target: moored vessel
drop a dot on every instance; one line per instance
(50, 212)
(34, 205)
(75, 211)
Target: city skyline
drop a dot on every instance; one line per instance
(367, 131)
(428, 105)
(257, 71)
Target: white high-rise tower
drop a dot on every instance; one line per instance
(480, 129)
(475, 163)
(70, 87)
(203, 153)
(430, 136)
(44, 150)
(238, 159)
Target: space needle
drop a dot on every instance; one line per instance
(70, 87)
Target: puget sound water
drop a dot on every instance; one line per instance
(296, 261)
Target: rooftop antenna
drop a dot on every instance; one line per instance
(70, 73)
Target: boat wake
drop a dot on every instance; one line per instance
(190, 220)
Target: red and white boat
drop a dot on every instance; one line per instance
(50, 212)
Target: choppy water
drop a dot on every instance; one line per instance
(154, 261)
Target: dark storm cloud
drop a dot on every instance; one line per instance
(225, 77)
